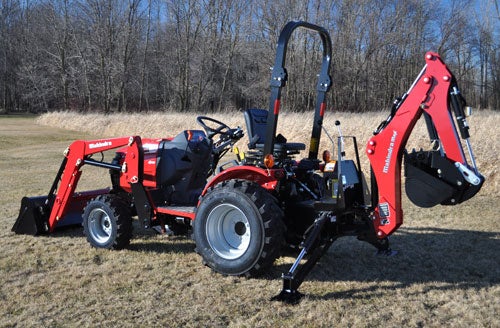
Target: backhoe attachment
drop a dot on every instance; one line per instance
(439, 176)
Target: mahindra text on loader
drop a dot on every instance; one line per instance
(243, 213)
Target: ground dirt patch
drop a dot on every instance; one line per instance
(446, 273)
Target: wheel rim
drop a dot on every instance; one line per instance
(228, 231)
(100, 225)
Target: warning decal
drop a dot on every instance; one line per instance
(384, 210)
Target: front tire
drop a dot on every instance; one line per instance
(107, 222)
(238, 228)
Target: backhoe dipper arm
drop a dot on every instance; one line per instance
(78, 154)
(432, 92)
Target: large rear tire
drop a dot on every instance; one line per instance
(238, 228)
(107, 222)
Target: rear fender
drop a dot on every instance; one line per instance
(267, 179)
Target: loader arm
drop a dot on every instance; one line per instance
(78, 154)
(43, 214)
(442, 173)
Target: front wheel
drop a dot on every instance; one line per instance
(238, 228)
(107, 222)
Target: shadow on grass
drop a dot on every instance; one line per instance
(162, 247)
(175, 244)
(457, 258)
(454, 258)
(142, 241)
(71, 231)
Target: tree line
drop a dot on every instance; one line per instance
(212, 55)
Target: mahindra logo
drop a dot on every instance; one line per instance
(388, 158)
(100, 144)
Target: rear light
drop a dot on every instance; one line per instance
(269, 161)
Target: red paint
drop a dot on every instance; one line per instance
(277, 106)
(322, 109)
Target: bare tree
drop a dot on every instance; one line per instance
(209, 55)
(186, 23)
(10, 16)
(142, 85)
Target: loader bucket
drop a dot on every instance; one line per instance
(35, 212)
(33, 216)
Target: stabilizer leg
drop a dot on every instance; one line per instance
(316, 246)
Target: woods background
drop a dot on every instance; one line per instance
(208, 55)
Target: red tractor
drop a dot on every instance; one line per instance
(244, 212)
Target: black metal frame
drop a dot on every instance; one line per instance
(279, 78)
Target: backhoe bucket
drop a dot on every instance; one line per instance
(432, 179)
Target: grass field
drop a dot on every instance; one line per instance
(447, 271)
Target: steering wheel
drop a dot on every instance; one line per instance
(221, 128)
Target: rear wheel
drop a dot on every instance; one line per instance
(238, 228)
(107, 222)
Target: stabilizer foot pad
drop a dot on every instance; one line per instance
(291, 297)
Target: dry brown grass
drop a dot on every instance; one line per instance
(446, 273)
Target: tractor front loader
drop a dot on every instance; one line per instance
(62, 206)
(243, 213)
(159, 180)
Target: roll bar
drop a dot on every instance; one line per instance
(279, 78)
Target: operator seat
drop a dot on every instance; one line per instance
(256, 121)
